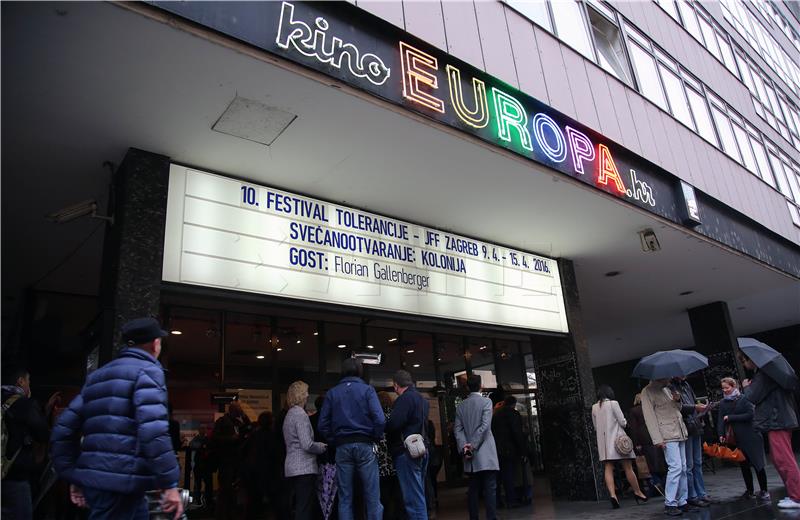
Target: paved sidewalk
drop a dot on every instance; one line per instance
(726, 486)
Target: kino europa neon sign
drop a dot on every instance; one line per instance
(537, 135)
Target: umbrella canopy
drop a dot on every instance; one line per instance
(326, 488)
(670, 363)
(770, 361)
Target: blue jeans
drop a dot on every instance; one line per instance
(106, 505)
(17, 502)
(358, 457)
(488, 481)
(676, 491)
(694, 467)
(412, 474)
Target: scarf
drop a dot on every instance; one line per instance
(14, 389)
(733, 395)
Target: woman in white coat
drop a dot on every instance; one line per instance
(609, 423)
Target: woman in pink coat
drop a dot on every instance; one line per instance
(609, 423)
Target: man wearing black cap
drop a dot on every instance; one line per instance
(121, 416)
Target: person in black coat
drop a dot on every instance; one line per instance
(643, 445)
(736, 411)
(510, 441)
(26, 424)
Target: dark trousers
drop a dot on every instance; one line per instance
(105, 505)
(304, 487)
(17, 502)
(392, 498)
(748, 477)
(486, 480)
(508, 473)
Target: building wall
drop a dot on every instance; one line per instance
(495, 38)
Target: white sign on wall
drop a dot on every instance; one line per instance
(231, 234)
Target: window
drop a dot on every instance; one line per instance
(534, 10)
(761, 159)
(710, 37)
(571, 27)
(792, 178)
(780, 175)
(701, 117)
(690, 20)
(607, 40)
(794, 212)
(727, 53)
(676, 96)
(725, 133)
(669, 7)
(744, 148)
(647, 75)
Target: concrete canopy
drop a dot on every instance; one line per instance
(82, 82)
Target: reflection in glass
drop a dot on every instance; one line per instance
(571, 27)
(645, 66)
(610, 52)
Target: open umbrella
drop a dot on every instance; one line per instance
(770, 361)
(670, 363)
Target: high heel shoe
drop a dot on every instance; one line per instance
(614, 502)
(639, 499)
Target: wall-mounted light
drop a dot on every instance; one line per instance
(83, 208)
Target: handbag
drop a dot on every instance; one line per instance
(730, 437)
(415, 443)
(642, 468)
(623, 444)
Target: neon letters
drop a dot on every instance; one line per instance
(315, 44)
(532, 133)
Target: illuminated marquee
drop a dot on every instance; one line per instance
(532, 133)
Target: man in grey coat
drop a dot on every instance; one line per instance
(473, 429)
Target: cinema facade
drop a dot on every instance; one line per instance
(446, 188)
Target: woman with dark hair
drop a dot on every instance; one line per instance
(609, 423)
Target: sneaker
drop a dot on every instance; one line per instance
(698, 502)
(672, 511)
(747, 495)
(688, 508)
(788, 503)
(764, 496)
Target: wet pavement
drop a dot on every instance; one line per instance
(725, 486)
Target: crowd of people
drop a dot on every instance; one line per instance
(362, 453)
(359, 454)
(667, 425)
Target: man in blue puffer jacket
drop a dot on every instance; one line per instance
(112, 443)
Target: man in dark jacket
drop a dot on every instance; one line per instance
(352, 420)
(26, 424)
(409, 416)
(121, 413)
(775, 417)
(510, 441)
(691, 412)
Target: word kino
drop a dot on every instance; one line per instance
(420, 86)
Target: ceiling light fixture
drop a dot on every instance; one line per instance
(410, 351)
(299, 341)
(370, 346)
(316, 333)
(260, 356)
(342, 346)
(416, 365)
(279, 349)
(391, 340)
(176, 332)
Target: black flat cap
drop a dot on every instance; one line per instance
(142, 330)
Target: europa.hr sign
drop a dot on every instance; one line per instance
(366, 52)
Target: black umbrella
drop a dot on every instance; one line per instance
(670, 363)
(770, 361)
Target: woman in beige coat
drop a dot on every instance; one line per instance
(609, 423)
